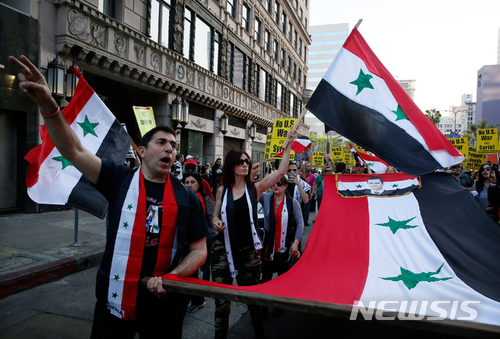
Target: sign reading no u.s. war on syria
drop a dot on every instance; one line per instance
(487, 141)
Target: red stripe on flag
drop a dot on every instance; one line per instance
(37, 155)
(136, 251)
(434, 139)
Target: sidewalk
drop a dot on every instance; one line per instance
(38, 248)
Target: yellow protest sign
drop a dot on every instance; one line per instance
(462, 145)
(337, 154)
(145, 118)
(318, 159)
(279, 134)
(475, 159)
(359, 148)
(487, 141)
(267, 150)
(348, 159)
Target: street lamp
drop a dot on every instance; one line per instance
(176, 112)
(55, 78)
(71, 82)
(224, 119)
(184, 113)
(253, 130)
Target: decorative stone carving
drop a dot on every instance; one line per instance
(238, 99)
(201, 82)
(226, 93)
(181, 72)
(244, 102)
(78, 25)
(219, 90)
(97, 33)
(254, 106)
(139, 52)
(210, 88)
(231, 95)
(170, 69)
(190, 76)
(198, 123)
(259, 137)
(120, 45)
(155, 61)
(234, 131)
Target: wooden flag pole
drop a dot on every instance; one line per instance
(359, 23)
(295, 127)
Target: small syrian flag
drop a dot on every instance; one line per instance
(376, 164)
(361, 100)
(51, 179)
(298, 146)
(394, 184)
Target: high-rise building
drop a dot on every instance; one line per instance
(242, 62)
(488, 94)
(408, 86)
(326, 43)
(465, 114)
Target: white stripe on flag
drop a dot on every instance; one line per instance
(413, 249)
(388, 185)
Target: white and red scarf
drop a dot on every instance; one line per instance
(129, 246)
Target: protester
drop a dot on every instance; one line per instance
(283, 225)
(319, 184)
(193, 180)
(216, 174)
(179, 159)
(309, 178)
(485, 177)
(390, 169)
(191, 166)
(236, 249)
(462, 178)
(359, 168)
(297, 188)
(206, 173)
(340, 168)
(125, 309)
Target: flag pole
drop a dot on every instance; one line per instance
(295, 127)
(359, 23)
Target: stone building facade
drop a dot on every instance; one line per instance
(246, 59)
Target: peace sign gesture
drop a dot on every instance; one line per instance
(34, 85)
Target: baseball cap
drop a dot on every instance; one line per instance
(189, 157)
(191, 162)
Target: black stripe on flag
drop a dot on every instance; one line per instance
(113, 148)
(466, 236)
(371, 130)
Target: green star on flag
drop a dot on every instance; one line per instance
(397, 225)
(65, 163)
(395, 185)
(115, 295)
(400, 115)
(371, 164)
(88, 127)
(363, 81)
(358, 186)
(125, 224)
(129, 207)
(117, 277)
(411, 279)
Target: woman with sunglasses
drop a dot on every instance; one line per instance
(194, 181)
(283, 225)
(236, 248)
(486, 177)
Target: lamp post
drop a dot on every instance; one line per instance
(224, 119)
(184, 113)
(55, 78)
(176, 112)
(71, 82)
(252, 132)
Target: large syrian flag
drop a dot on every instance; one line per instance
(421, 253)
(360, 99)
(51, 179)
(376, 164)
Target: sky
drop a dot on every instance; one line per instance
(439, 43)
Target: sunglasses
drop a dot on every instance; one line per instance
(243, 161)
(328, 171)
(292, 170)
(486, 168)
(279, 184)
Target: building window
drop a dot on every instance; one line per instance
(293, 106)
(279, 95)
(294, 71)
(290, 29)
(267, 41)
(160, 22)
(283, 22)
(245, 17)
(275, 50)
(215, 67)
(230, 62)
(295, 39)
(239, 68)
(289, 65)
(300, 48)
(306, 23)
(283, 58)
(269, 6)
(277, 12)
(301, 14)
(203, 44)
(296, 5)
(299, 78)
(108, 7)
(257, 30)
(246, 76)
(261, 84)
(230, 7)
(305, 80)
(187, 33)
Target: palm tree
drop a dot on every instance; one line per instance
(434, 115)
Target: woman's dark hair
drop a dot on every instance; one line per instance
(232, 160)
(340, 167)
(480, 177)
(284, 181)
(197, 176)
